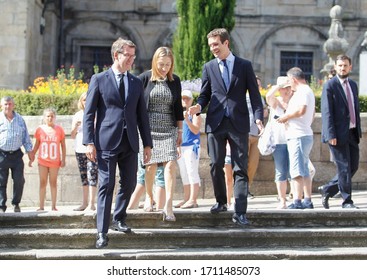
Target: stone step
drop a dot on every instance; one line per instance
(35, 238)
(294, 253)
(193, 219)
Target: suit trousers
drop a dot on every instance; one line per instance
(238, 142)
(127, 162)
(11, 161)
(346, 158)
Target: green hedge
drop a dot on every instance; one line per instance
(29, 104)
(34, 104)
(362, 102)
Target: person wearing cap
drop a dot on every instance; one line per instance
(190, 154)
(278, 105)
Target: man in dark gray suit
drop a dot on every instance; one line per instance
(341, 129)
(225, 81)
(114, 109)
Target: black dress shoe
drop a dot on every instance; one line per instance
(218, 207)
(121, 227)
(324, 197)
(240, 219)
(102, 240)
(350, 206)
(16, 208)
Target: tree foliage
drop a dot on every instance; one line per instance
(196, 18)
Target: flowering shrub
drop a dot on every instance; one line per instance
(61, 84)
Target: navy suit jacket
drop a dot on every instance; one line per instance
(335, 112)
(104, 104)
(213, 92)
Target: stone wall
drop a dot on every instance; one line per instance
(20, 42)
(69, 189)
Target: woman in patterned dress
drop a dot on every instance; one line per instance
(163, 98)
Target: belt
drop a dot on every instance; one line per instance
(9, 152)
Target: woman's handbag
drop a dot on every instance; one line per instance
(266, 142)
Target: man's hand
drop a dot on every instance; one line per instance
(333, 142)
(91, 152)
(282, 119)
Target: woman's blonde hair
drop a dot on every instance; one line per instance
(162, 52)
(82, 97)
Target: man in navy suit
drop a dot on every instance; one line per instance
(114, 109)
(225, 81)
(341, 129)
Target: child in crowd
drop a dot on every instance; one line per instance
(190, 155)
(49, 138)
(88, 169)
(159, 189)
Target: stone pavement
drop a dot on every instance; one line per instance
(265, 202)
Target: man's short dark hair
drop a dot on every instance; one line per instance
(343, 57)
(221, 32)
(296, 73)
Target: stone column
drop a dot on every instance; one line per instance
(336, 44)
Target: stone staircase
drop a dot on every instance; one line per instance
(274, 234)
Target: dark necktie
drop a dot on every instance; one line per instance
(225, 74)
(350, 102)
(122, 88)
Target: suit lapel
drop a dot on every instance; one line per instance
(235, 72)
(129, 87)
(111, 77)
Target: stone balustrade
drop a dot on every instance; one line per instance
(70, 191)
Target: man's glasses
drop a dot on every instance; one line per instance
(128, 56)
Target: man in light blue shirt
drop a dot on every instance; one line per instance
(13, 135)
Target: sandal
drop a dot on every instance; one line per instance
(168, 218)
(148, 206)
(80, 208)
(189, 205)
(180, 204)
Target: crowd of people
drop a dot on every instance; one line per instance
(147, 126)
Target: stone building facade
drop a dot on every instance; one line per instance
(38, 36)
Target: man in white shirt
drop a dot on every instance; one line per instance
(297, 120)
